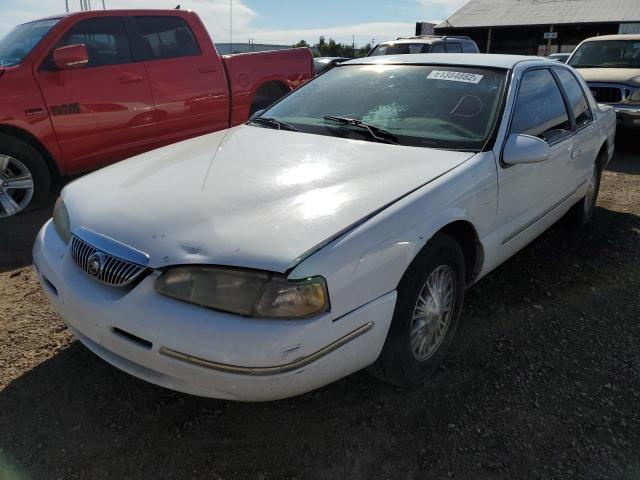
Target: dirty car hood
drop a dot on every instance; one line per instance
(627, 76)
(248, 197)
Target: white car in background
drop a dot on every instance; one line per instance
(336, 231)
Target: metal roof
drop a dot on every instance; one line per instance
(496, 13)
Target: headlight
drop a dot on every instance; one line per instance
(254, 294)
(61, 220)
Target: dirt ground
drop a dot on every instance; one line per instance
(543, 381)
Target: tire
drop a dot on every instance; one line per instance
(19, 161)
(582, 212)
(401, 362)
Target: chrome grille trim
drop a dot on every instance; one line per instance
(120, 265)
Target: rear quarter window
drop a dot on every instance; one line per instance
(165, 37)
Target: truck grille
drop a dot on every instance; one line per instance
(606, 94)
(102, 266)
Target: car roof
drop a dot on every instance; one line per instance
(634, 36)
(466, 59)
(426, 39)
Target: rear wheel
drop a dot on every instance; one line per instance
(25, 180)
(582, 212)
(426, 316)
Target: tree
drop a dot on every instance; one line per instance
(302, 44)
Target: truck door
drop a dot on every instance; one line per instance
(103, 112)
(186, 75)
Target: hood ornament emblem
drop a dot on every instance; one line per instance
(96, 264)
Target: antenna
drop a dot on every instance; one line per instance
(230, 27)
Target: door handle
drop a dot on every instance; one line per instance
(208, 69)
(575, 153)
(129, 78)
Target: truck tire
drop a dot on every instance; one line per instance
(426, 316)
(25, 178)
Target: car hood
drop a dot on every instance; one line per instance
(248, 197)
(628, 76)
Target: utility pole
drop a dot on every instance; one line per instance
(230, 26)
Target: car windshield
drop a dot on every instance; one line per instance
(399, 49)
(607, 54)
(447, 107)
(20, 41)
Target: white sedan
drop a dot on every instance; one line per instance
(337, 230)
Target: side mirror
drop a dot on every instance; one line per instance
(525, 149)
(70, 57)
(257, 113)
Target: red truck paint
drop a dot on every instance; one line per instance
(88, 117)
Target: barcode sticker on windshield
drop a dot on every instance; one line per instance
(456, 76)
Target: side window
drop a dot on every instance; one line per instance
(452, 47)
(468, 47)
(165, 37)
(437, 48)
(105, 39)
(577, 100)
(540, 110)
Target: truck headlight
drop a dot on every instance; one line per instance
(244, 292)
(61, 220)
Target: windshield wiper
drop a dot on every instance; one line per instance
(272, 122)
(374, 131)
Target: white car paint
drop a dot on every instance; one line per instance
(356, 213)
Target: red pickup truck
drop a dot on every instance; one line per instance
(87, 89)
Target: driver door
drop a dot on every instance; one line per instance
(531, 195)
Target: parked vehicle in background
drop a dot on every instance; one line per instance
(611, 66)
(87, 89)
(323, 64)
(425, 44)
(337, 230)
(560, 57)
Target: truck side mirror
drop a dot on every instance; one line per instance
(70, 57)
(525, 149)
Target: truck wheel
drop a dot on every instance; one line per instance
(582, 212)
(426, 316)
(25, 179)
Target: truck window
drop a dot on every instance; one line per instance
(21, 40)
(469, 47)
(437, 48)
(105, 39)
(165, 37)
(452, 47)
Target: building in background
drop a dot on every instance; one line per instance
(535, 27)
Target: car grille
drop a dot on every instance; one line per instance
(607, 94)
(113, 271)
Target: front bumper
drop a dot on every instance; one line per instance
(203, 352)
(628, 115)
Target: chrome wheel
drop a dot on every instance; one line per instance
(16, 186)
(432, 312)
(592, 191)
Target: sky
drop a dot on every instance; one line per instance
(271, 21)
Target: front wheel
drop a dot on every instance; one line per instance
(25, 180)
(426, 316)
